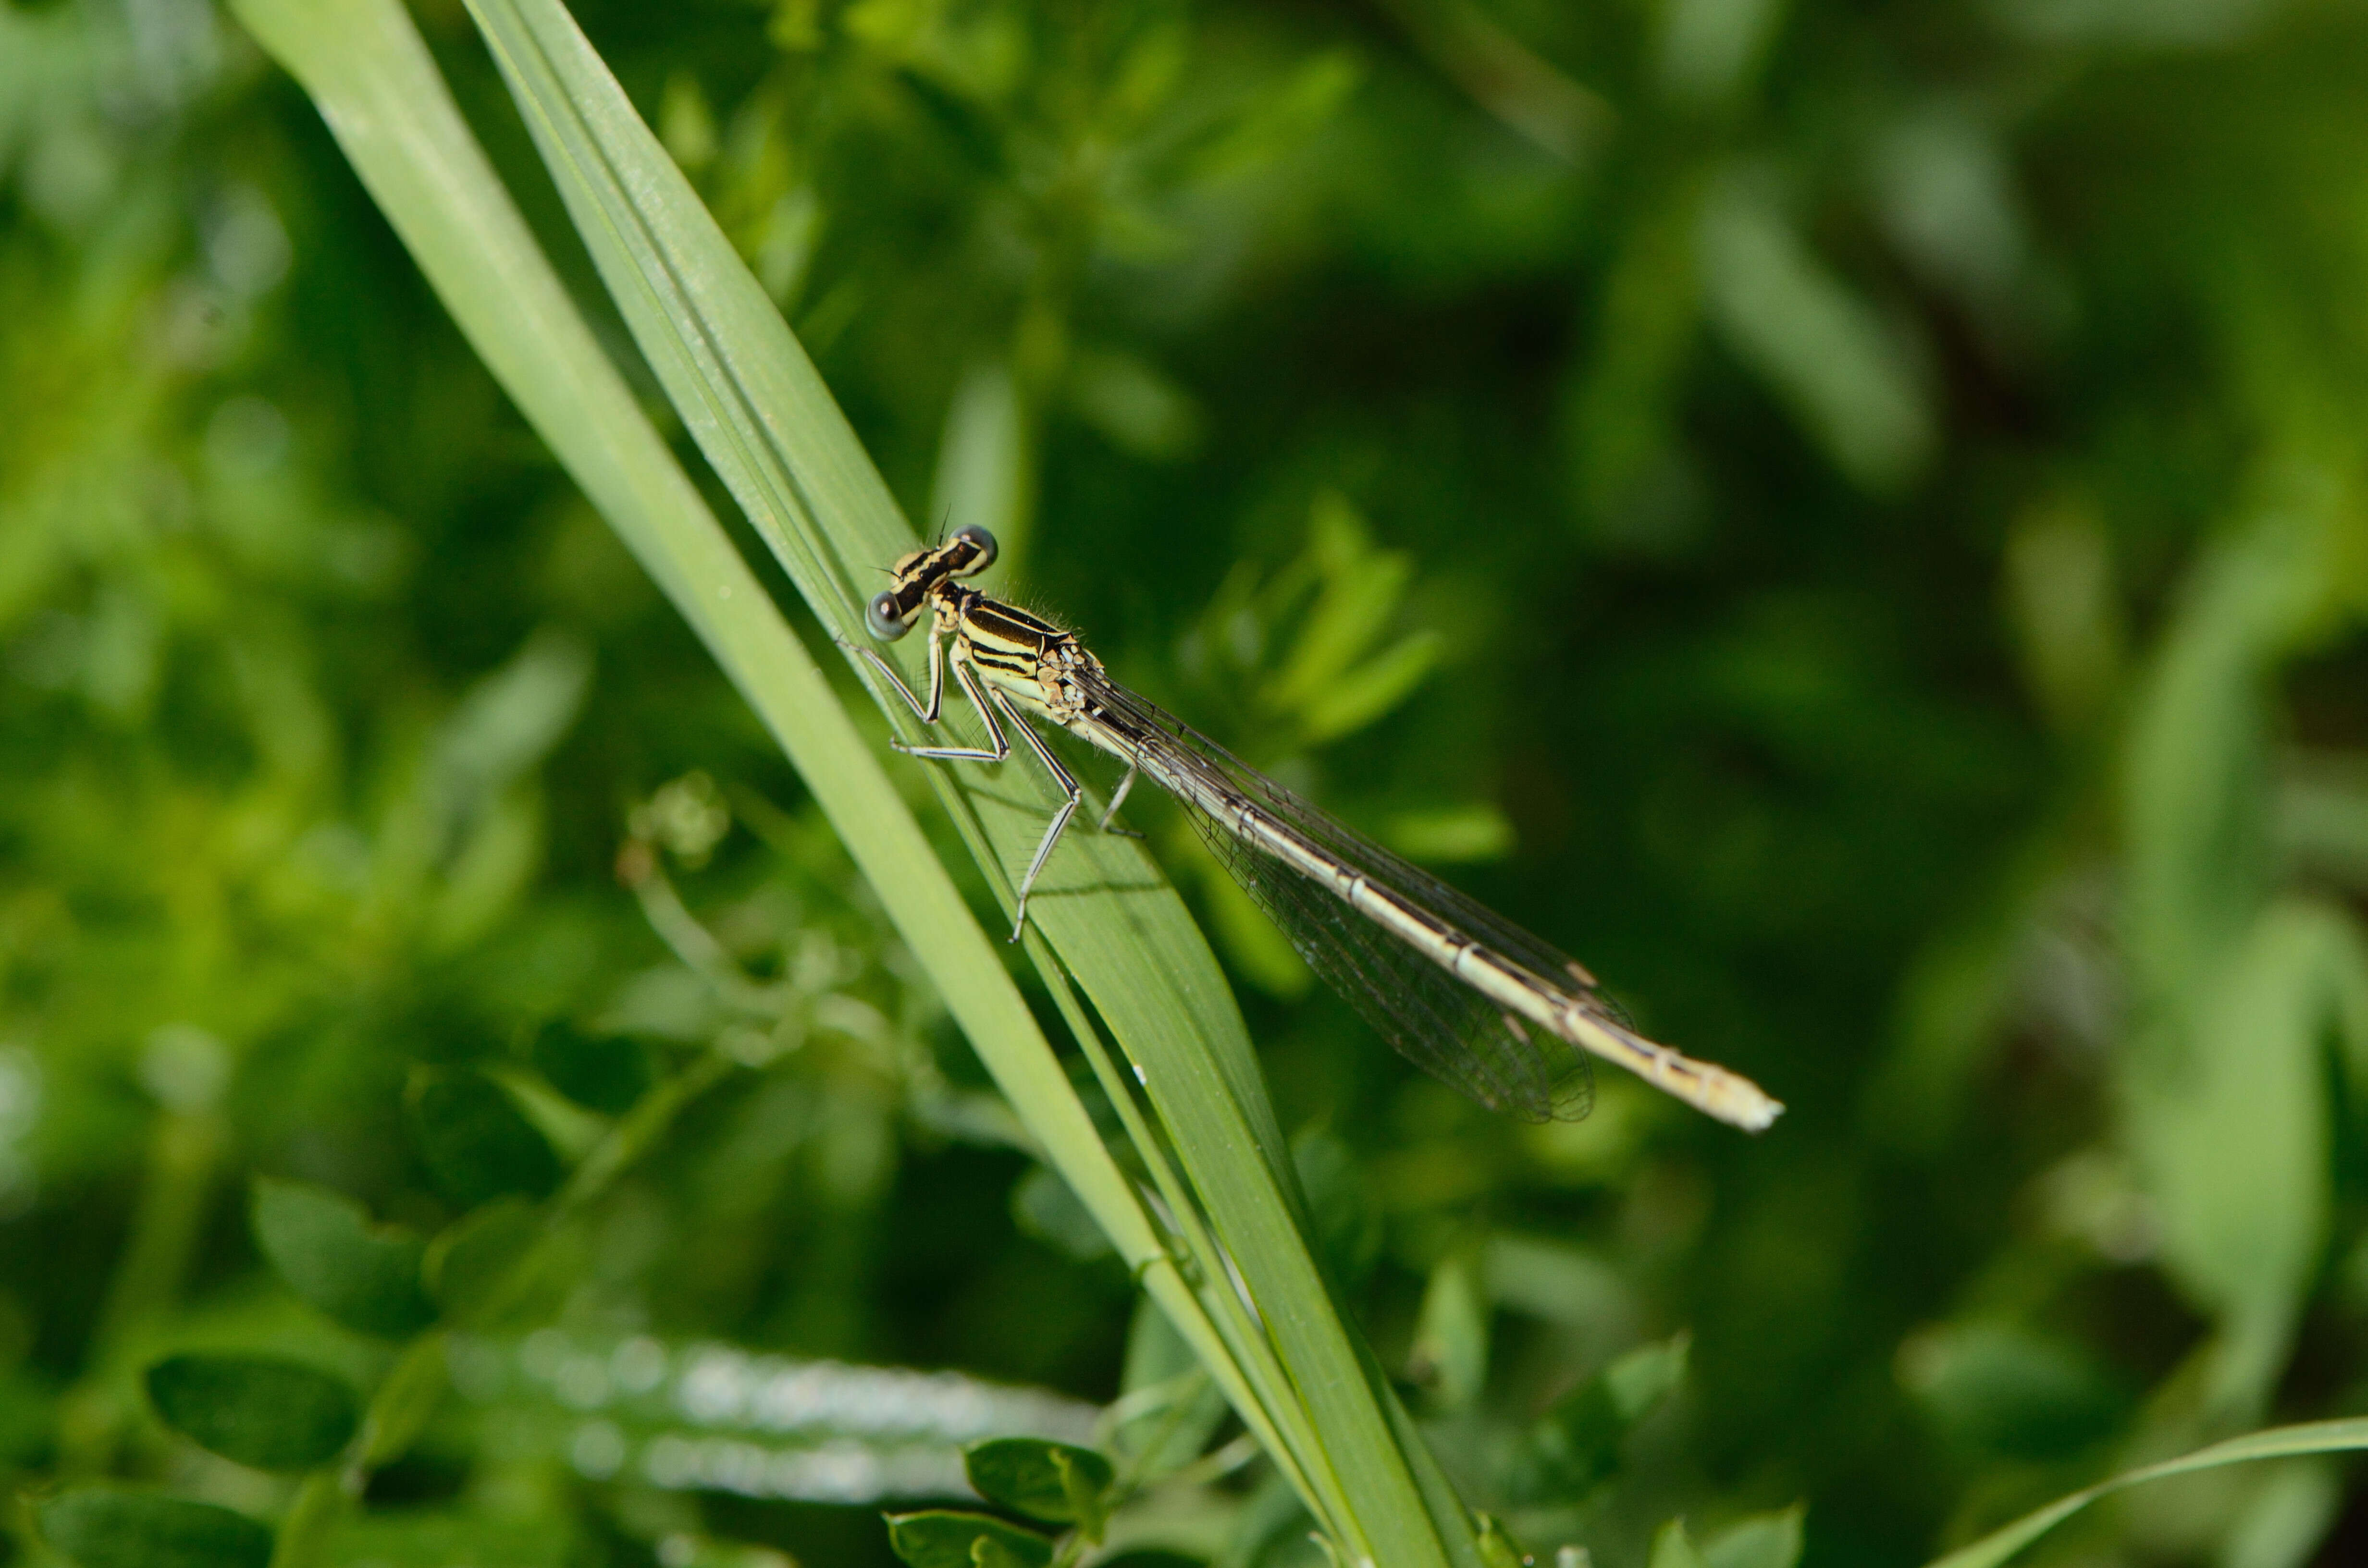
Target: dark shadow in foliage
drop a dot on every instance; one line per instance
(609, 1073)
(477, 1143)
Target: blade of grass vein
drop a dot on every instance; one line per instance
(372, 78)
(766, 424)
(2274, 1443)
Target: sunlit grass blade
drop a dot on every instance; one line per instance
(2276, 1443)
(767, 424)
(374, 82)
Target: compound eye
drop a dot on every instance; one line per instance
(886, 619)
(979, 539)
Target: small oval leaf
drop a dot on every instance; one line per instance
(943, 1538)
(1763, 1540)
(269, 1414)
(1045, 1480)
(604, 1073)
(470, 1261)
(1672, 1548)
(477, 1143)
(104, 1526)
(323, 1244)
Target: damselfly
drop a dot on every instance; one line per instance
(1462, 993)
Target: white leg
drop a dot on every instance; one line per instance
(1068, 808)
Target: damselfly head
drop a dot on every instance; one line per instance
(884, 617)
(981, 551)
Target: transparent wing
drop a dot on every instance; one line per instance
(1430, 1017)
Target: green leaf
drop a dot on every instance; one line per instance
(1672, 1548)
(1371, 690)
(1172, 1408)
(105, 1527)
(1341, 1214)
(1277, 122)
(1450, 1336)
(1646, 1376)
(1053, 1482)
(1621, 413)
(1462, 835)
(1498, 1550)
(944, 1538)
(1763, 1540)
(1363, 586)
(323, 1244)
(477, 1143)
(1135, 405)
(472, 1259)
(2196, 770)
(1849, 375)
(401, 1406)
(2012, 1391)
(1575, 1446)
(476, 1538)
(2225, 1108)
(604, 1073)
(1044, 1207)
(2274, 1443)
(270, 1413)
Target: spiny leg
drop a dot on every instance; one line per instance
(927, 715)
(1069, 787)
(1118, 798)
(998, 745)
(989, 704)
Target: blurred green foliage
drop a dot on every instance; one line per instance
(1849, 519)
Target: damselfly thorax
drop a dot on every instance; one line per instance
(1029, 659)
(1460, 991)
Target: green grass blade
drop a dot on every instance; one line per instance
(767, 424)
(378, 89)
(367, 71)
(2276, 1443)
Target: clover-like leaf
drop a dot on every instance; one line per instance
(258, 1410)
(107, 1527)
(946, 1537)
(323, 1244)
(477, 1143)
(604, 1073)
(469, 1262)
(1056, 1482)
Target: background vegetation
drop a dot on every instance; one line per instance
(1851, 522)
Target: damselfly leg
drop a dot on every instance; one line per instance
(992, 710)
